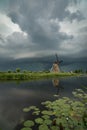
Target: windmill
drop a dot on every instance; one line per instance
(56, 65)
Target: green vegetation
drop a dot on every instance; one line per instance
(61, 114)
(86, 71)
(31, 75)
(18, 70)
(18, 74)
(78, 71)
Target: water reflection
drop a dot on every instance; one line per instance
(14, 97)
(57, 84)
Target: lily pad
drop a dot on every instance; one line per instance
(25, 128)
(46, 103)
(29, 123)
(54, 128)
(27, 109)
(32, 107)
(43, 127)
(48, 121)
(45, 116)
(36, 112)
(45, 112)
(39, 121)
(63, 112)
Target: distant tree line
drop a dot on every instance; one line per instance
(79, 71)
(18, 70)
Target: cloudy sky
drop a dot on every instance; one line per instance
(35, 28)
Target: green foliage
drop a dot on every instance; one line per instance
(24, 71)
(26, 128)
(28, 123)
(61, 114)
(43, 127)
(32, 75)
(18, 70)
(39, 120)
(9, 71)
(78, 71)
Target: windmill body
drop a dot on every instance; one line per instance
(55, 67)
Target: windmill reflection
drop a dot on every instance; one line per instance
(57, 84)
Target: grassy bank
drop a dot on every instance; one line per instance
(32, 75)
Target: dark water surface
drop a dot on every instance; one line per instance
(15, 96)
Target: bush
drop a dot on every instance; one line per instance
(18, 70)
(78, 71)
(9, 71)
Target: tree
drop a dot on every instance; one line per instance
(17, 70)
(9, 71)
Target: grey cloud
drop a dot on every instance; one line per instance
(14, 44)
(59, 9)
(34, 17)
(83, 29)
(1, 39)
(77, 15)
(27, 15)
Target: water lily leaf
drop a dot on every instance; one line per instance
(36, 109)
(74, 93)
(56, 95)
(54, 128)
(47, 121)
(77, 104)
(25, 128)
(29, 123)
(45, 116)
(36, 112)
(57, 113)
(43, 127)
(45, 112)
(67, 129)
(32, 107)
(46, 103)
(61, 120)
(39, 120)
(66, 98)
(65, 111)
(27, 109)
(80, 90)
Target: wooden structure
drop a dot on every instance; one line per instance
(55, 68)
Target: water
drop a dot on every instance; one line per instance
(15, 96)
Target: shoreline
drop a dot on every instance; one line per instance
(5, 76)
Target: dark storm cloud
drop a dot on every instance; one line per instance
(76, 15)
(40, 20)
(60, 11)
(1, 39)
(34, 18)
